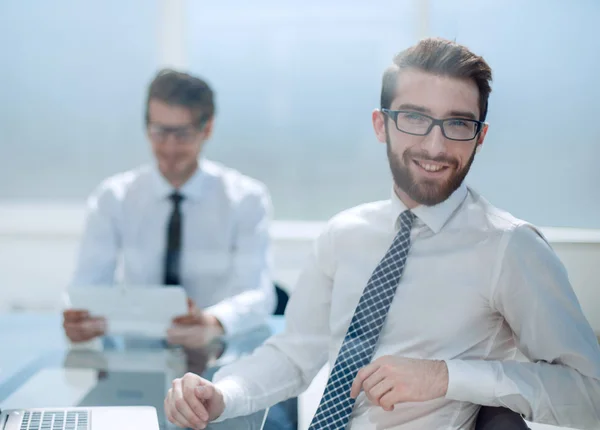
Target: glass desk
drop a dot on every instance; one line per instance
(39, 369)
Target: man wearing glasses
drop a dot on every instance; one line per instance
(182, 221)
(420, 303)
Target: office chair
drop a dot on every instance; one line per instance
(497, 418)
(282, 299)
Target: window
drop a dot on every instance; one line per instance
(296, 83)
(73, 78)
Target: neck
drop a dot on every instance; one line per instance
(177, 181)
(408, 202)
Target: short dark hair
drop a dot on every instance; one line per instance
(441, 57)
(181, 89)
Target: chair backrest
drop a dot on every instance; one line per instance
(499, 418)
(282, 300)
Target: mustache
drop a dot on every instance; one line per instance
(426, 157)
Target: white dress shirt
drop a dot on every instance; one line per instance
(478, 284)
(225, 261)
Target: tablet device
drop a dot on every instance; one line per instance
(131, 310)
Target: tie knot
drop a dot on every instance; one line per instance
(176, 197)
(406, 219)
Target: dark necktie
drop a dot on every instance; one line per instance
(173, 249)
(361, 338)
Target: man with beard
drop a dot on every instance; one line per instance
(421, 302)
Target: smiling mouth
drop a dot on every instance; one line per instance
(431, 167)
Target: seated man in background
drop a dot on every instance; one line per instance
(420, 303)
(182, 221)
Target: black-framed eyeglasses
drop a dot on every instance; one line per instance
(419, 124)
(182, 133)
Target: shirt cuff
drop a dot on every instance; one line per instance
(227, 316)
(472, 381)
(233, 398)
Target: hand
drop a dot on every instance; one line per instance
(80, 326)
(193, 402)
(195, 329)
(390, 380)
(196, 316)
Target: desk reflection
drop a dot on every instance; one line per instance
(120, 372)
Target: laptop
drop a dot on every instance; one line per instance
(136, 394)
(131, 399)
(78, 418)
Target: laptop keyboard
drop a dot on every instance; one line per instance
(56, 420)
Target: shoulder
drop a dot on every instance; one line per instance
(351, 229)
(479, 214)
(236, 186)
(517, 241)
(360, 217)
(355, 225)
(116, 188)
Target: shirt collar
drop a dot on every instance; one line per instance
(433, 217)
(191, 189)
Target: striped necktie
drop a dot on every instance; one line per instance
(361, 338)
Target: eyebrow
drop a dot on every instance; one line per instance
(451, 114)
(462, 114)
(416, 108)
(171, 127)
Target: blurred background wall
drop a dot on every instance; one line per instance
(296, 83)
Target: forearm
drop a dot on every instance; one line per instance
(288, 362)
(545, 393)
(261, 380)
(244, 311)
